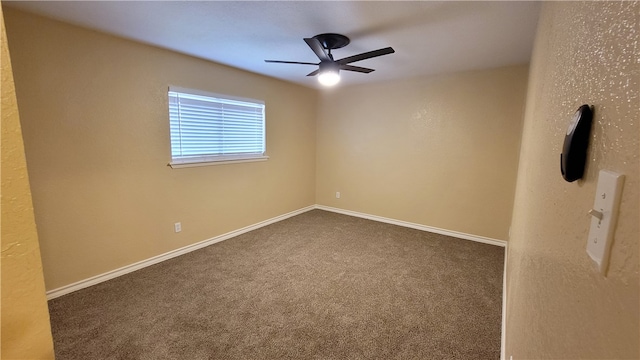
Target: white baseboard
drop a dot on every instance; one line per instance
(52, 294)
(451, 233)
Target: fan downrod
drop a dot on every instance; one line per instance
(332, 41)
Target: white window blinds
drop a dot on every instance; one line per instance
(208, 127)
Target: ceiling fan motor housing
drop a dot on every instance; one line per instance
(329, 66)
(332, 41)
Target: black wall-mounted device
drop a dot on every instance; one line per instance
(576, 142)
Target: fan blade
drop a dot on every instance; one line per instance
(366, 55)
(356, 68)
(290, 62)
(317, 48)
(313, 73)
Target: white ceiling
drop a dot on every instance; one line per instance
(429, 37)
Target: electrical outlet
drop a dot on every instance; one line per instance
(177, 227)
(337, 194)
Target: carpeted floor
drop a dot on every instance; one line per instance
(316, 286)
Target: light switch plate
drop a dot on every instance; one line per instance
(604, 216)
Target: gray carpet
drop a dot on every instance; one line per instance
(316, 286)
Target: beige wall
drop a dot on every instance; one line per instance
(439, 151)
(96, 133)
(26, 333)
(558, 305)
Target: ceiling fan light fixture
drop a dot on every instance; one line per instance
(329, 77)
(329, 73)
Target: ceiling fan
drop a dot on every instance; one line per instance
(329, 69)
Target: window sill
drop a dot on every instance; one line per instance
(180, 165)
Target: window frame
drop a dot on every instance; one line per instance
(207, 160)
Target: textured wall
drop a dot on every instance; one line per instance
(26, 333)
(558, 305)
(96, 133)
(438, 151)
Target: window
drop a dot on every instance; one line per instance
(210, 128)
